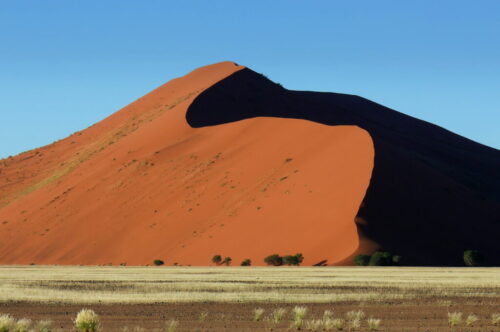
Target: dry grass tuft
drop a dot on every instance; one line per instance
(313, 325)
(87, 321)
(257, 314)
(454, 318)
(495, 319)
(471, 319)
(44, 326)
(277, 315)
(172, 325)
(6, 323)
(22, 325)
(373, 323)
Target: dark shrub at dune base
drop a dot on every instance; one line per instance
(274, 260)
(246, 262)
(362, 260)
(473, 258)
(158, 262)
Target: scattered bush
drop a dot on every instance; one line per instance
(87, 321)
(362, 260)
(246, 262)
(338, 323)
(217, 259)
(275, 260)
(473, 258)
(396, 260)
(257, 314)
(227, 261)
(158, 262)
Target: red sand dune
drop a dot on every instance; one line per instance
(143, 184)
(224, 161)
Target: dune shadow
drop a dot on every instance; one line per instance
(432, 195)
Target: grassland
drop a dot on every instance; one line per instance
(225, 298)
(142, 285)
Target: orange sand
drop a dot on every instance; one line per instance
(144, 185)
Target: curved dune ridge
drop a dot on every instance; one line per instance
(148, 183)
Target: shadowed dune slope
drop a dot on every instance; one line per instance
(157, 180)
(432, 195)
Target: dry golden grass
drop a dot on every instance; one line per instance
(235, 284)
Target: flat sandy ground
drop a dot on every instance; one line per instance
(146, 298)
(396, 316)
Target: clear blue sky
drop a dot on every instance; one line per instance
(67, 64)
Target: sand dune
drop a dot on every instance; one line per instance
(224, 161)
(143, 184)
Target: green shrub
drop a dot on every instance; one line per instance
(293, 260)
(246, 262)
(274, 259)
(158, 262)
(217, 259)
(396, 260)
(362, 260)
(381, 258)
(227, 261)
(473, 258)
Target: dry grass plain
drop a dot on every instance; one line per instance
(405, 298)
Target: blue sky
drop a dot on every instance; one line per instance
(65, 65)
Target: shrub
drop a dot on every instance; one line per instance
(381, 258)
(257, 314)
(203, 316)
(473, 258)
(355, 315)
(217, 259)
(338, 323)
(397, 260)
(87, 321)
(246, 262)
(227, 261)
(6, 323)
(293, 259)
(275, 260)
(362, 260)
(158, 262)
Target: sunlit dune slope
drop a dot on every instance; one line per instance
(146, 183)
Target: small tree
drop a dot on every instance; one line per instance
(217, 259)
(381, 258)
(227, 261)
(293, 260)
(274, 259)
(473, 258)
(362, 260)
(246, 262)
(158, 262)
